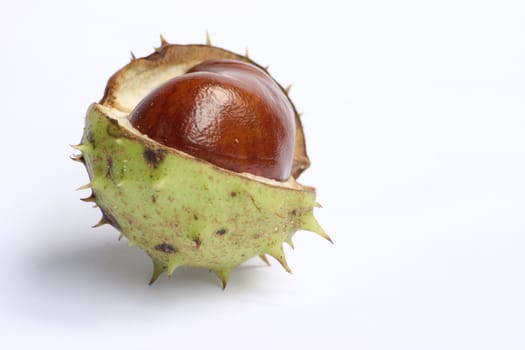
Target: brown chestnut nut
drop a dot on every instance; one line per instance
(227, 112)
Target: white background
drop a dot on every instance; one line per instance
(415, 118)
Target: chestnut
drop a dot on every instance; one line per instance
(227, 112)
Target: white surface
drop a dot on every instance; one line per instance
(415, 117)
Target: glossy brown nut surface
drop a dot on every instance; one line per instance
(227, 112)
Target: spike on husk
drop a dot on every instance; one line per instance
(264, 258)
(224, 275)
(101, 222)
(78, 158)
(158, 269)
(309, 223)
(90, 199)
(85, 187)
(163, 41)
(277, 253)
(80, 147)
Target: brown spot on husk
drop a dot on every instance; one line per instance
(197, 243)
(154, 157)
(165, 248)
(91, 139)
(221, 232)
(109, 171)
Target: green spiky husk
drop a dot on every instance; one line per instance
(181, 210)
(186, 212)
